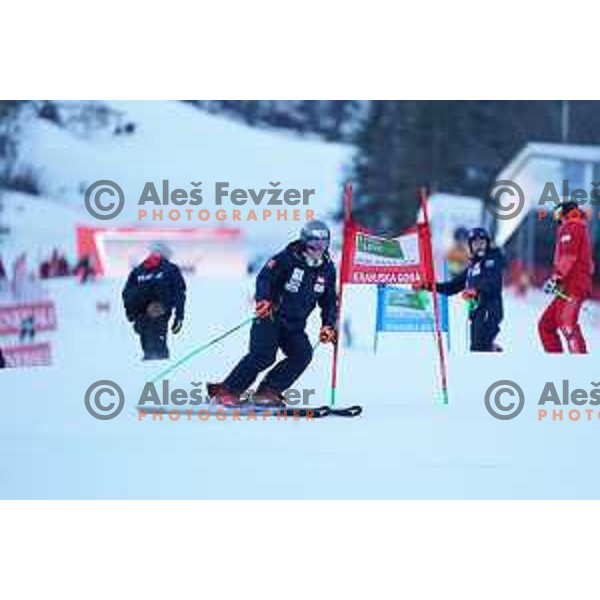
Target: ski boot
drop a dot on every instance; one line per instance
(220, 394)
(268, 397)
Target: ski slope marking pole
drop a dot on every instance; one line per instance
(334, 366)
(342, 275)
(200, 349)
(436, 307)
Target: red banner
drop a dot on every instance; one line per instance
(27, 355)
(13, 317)
(371, 259)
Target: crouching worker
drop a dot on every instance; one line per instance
(481, 286)
(288, 288)
(154, 289)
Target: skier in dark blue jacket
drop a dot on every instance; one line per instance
(154, 289)
(288, 288)
(481, 285)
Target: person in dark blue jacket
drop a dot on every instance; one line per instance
(288, 288)
(154, 289)
(481, 285)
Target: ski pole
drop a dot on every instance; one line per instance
(471, 304)
(200, 349)
(560, 294)
(563, 296)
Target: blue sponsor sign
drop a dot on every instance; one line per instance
(404, 309)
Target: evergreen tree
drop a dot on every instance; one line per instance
(450, 146)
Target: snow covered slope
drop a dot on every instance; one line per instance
(404, 446)
(177, 142)
(38, 225)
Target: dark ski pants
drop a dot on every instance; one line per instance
(153, 336)
(484, 329)
(266, 337)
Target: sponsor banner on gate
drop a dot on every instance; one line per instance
(376, 251)
(371, 259)
(403, 309)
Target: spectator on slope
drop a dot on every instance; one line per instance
(84, 271)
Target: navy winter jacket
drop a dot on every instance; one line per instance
(295, 288)
(484, 275)
(156, 279)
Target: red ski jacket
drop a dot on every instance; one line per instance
(573, 260)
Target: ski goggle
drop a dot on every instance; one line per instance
(317, 245)
(479, 238)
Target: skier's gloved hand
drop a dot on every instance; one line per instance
(263, 309)
(155, 310)
(552, 285)
(177, 325)
(470, 294)
(327, 335)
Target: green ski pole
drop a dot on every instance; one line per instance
(200, 349)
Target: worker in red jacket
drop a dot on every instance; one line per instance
(570, 283)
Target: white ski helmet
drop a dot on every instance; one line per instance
(161, 248)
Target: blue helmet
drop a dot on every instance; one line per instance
(478, 233)
(461, 234)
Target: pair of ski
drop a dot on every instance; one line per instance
(316, 412)
(304, 412)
